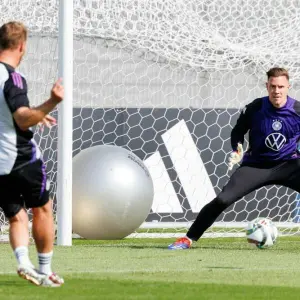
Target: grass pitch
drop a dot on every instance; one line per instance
(145, 269)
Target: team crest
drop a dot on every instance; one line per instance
(277, 125)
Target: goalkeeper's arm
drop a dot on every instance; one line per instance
(237, 138)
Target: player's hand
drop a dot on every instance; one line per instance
(48, 121)
(57, 91)
(235, 156)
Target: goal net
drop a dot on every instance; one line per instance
(167, 80)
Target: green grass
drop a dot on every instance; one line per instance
(144, 269)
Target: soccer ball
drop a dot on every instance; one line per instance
(262, 233)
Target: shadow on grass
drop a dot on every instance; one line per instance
(14, 282)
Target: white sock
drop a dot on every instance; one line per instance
(45, 262)
(22, 256)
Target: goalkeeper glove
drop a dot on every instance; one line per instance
(235, 156)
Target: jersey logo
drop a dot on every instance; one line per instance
(277, 125)
(275, 141)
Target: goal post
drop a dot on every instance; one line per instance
(65, 125)
(166, 80)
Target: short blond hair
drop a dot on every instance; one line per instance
(12, 34)
(276, 72)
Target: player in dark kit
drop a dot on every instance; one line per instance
(273, 123)
(23, 181)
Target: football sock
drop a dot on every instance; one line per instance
(22, 256)
(45, 262)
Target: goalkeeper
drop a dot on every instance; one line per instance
(273, 157)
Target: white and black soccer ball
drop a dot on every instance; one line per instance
(262, 233)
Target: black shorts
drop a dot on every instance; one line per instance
(25, 187)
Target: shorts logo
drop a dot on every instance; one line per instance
(277, 125)
(275, 141)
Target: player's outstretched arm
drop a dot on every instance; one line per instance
(27, 117)
(241, 127)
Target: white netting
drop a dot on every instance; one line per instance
(215, 34)
(166, 79)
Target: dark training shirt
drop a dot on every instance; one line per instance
(273, 132)
(17, 147)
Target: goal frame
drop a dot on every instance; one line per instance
(65, 127)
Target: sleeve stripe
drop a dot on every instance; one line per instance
(17, 79)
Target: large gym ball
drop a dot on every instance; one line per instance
(112, 192)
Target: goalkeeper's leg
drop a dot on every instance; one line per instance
(291, 175)
(243, 181)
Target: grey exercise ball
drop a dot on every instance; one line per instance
(112, 192)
